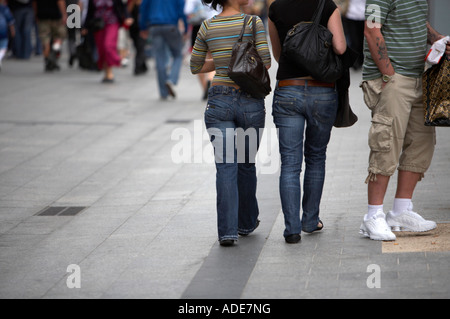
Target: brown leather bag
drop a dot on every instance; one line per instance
(436, 94)
(246, 67)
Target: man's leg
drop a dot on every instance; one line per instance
(161, 58)
(407, 182)
(376, 189)
(417, 153)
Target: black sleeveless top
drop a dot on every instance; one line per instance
(287, 13)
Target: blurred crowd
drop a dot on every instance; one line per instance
(99, 35)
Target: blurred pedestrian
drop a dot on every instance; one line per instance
(162, 17)
(230, 115)
(22, 11)
(104, 18)
(140, 64)
(51, 18)
(6, 26)
(353, 21)
(86, 51)
(72, 36)
(196, 13)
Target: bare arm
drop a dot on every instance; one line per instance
(336, 28)
(62, 9)
(274, 40)
(378, 49)
(208, 66)
(433, 36)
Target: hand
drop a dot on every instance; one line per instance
(128, 21)
(84, 31)
(144, 34)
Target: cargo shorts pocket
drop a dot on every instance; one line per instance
(380, 133)
(372, 92)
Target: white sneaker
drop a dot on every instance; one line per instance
(409, 221)
(376, 227)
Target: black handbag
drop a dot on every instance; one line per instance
(96, 24)
(85, 55)
(246, 67)
(309, 45)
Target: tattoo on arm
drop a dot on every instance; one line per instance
(382, 52)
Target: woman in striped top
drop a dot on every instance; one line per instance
(231, 112)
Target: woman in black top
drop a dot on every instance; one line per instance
(304, 111)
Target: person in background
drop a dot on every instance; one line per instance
(111, 14)
(140, 63)
(123, 46)
(22, 11)
(353, 21)
(6, 25)
(162, 17)
(89, 49)
(196, 13)
(72, 36)
(51, 18)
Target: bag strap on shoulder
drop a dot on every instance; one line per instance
(318, 14)
(246, 19)
(254, 27)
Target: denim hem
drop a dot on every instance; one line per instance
(246, 231)
(287, 235)
(228, 237)
(306, 230)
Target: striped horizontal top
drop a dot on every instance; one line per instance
(218, 35)
(405, 33)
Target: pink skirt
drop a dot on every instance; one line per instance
(106, 42)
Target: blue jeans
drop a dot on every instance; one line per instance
(24, 24)
(167, 43)
(235, 123)
(304, 117)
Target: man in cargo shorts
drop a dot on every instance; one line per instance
(51, 18)
(396, 35)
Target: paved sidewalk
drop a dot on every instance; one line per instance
(146, 227)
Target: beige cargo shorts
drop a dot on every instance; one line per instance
(398, 138)
(49, 29)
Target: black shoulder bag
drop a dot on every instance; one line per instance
(246, 67)
(309, 45)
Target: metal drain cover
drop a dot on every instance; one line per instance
(60, 211)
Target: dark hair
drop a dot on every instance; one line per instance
(215, 3)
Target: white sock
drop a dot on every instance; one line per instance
(400, 205)
(373, 209)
